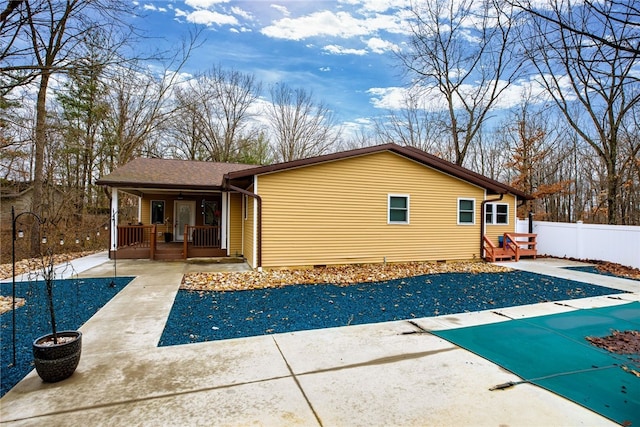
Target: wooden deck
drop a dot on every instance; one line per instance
(515, 246)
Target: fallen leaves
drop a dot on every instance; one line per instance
(6, 303)
(35, 264)
(340, 275)
(618, 270)
(626, 342)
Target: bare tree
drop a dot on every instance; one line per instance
(301, 126)
(595, 86)
(137, 102)
(214, 115)
(416, 124)
(464, 53)
(611, 13)
(53, 30)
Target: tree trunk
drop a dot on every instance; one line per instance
(38, 175)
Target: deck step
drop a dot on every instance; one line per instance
(169, 252)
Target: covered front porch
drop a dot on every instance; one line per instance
(147, 242)
(173, 209)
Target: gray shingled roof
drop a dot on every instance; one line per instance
(170, 174)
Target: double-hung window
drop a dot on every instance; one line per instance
(497, 213)
(398, 209)
(466, 211)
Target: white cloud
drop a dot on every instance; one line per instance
(242, 13)
(388, 98)
(208, 18)
(430, 99)
(281, 9)
(377, 5)
(325, 69)
(203, 4)
(334, 24)
(377, 45)
(149, 7)
(340, 50)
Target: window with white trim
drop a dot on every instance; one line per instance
(466, 211)
(398, 209)
(496, 213)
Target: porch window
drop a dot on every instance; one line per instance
(466, 211)
(210, 212)
(398, 209)
(157, 212)
(497, 213)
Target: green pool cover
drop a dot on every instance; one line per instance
(552, 352)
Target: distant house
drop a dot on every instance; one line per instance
(20, 196)
(369, 205)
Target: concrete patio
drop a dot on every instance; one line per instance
(386, 374)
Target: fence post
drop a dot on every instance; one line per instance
(579, 239)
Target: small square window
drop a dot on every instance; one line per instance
(466, 211)
(398, 208)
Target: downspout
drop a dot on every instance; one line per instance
(482, 220)
(259, 226)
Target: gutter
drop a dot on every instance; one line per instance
(259, 225)
(482, 220)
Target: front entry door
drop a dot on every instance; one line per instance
(185, 214)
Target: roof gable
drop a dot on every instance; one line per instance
(411, 153)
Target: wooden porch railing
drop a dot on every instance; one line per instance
(493, 253)
(139, 236)
(523, 244)
(201, 236)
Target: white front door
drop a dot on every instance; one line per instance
(185, 214)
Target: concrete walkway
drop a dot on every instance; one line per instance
(387, 374)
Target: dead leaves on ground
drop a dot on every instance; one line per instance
(339, 275)
(35, 264)
(6, 303)
(618, 270)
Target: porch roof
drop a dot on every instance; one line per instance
(170, 174)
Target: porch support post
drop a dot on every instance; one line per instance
(223, 221)
(114, 220)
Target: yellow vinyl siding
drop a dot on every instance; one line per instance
(145, 211)
(248, 247)
(337, 212)
(235, 224)
(493, 231)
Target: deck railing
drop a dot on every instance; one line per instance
(201, 236)
(141, 236)
(523, 244)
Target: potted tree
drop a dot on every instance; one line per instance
(57, 354)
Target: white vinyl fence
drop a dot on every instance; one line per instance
(613, 243)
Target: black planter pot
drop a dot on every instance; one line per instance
(58, 361)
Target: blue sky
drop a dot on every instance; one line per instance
(342, 51)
